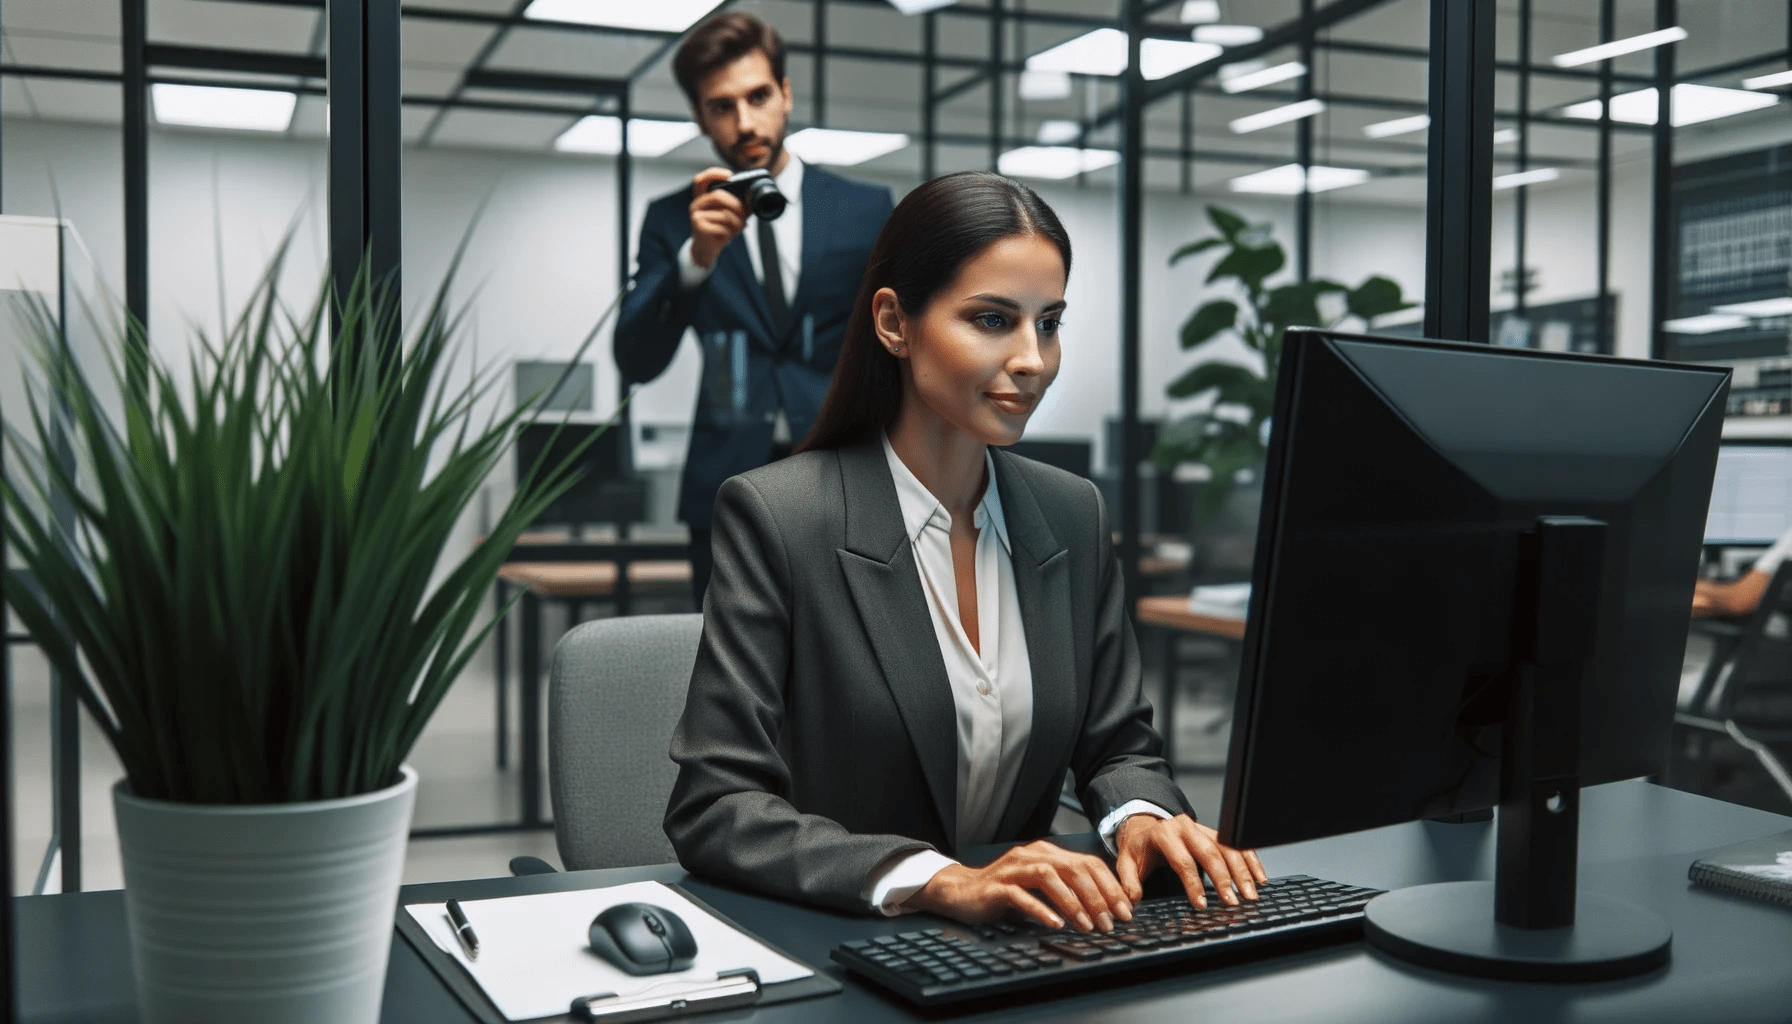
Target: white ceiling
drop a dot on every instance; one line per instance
(884, 96)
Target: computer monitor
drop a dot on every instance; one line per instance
(1751, 498)
(606, 490)
(1070, 454)
(1473, 575)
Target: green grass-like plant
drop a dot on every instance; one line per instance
(244, 599)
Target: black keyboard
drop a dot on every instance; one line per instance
(932, 966)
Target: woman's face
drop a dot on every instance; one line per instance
(982, 353)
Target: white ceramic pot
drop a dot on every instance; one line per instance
(273, 913)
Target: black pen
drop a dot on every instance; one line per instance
(463, 929)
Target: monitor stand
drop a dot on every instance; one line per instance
(1532, 923)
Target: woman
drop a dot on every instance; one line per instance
(911, 635)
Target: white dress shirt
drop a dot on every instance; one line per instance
(788, 230)
(992, 683)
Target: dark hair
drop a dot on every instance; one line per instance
(934, 232)
(721, 41)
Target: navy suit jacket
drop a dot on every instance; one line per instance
(750, 368)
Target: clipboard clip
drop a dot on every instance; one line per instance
(738, 987)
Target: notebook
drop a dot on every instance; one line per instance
(1760, 869)
(535, 958)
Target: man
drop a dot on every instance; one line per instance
(768, 300)
(1739, 597)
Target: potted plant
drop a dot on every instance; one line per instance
(1234, 433)
(247, 599)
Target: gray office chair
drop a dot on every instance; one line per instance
(1745, 694)
(615, 693)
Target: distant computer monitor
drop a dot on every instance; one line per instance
(1751, 498)
(1066, 453)
(1471, 560)
(606, 490)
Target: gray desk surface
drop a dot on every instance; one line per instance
(1732, 957)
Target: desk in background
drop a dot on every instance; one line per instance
(1170, 614)
(1730, 954)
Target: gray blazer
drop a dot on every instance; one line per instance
(820, 738)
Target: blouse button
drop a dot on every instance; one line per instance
(983, 688)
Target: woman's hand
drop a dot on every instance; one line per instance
(1081, 888)
(1190, 848)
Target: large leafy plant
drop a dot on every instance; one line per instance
(1232, 434)
(241, 591)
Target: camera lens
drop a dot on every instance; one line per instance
(765, 200)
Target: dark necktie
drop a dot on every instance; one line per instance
(774, 273)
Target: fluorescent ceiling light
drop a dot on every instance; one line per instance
(1053, 161)
(1398, 126)
(1288, 180)
(843, 148)
(1758, 310)
(1505, 135)
(1772, 81)
(1691, 104)
(1044, 85)
(1541, 174)
(1228, 35)
(1161, 58)
(1619, 47)
(1056, 133)
(1101, 52)
(1277, 115)
(602, 134)
(1244, 81)
(920, 6)
(1707, 323)
(210, 106)
(654, 15)
(1199, 12)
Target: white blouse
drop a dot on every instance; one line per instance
(992, 684)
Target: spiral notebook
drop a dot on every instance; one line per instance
(1760, 869)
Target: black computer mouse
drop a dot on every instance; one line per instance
(641, 938)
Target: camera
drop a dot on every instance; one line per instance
(756, 189)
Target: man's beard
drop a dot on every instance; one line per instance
(774, 149)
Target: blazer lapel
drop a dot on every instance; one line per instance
(737, 264)
(879, 564)
(1042, 584)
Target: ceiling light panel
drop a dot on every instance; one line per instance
(1505, 136)
(1289, 180)
(1228, 35)
(1536, 177)
(1244, 81)
(920, 6)
(1398, 126)
(1161, 58)
(1057, 133)
(602, 134)
(1760, 309)
(1708, 323)
(1054, 161)
(1101, 52)
(1619, 47)
(654, 15)
(843, 148)
(208, 106)
(1044, 85)
(1199, 12)
(1772, 81)
(1691, 105)
(1277, 115)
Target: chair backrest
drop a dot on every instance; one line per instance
(615, 694)
(1756, 687)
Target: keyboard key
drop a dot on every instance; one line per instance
(947, 977)
(973, 973)
(1081, 952)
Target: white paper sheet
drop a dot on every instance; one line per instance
(535, 953)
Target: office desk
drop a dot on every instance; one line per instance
(1170, 613)
(1732, 957)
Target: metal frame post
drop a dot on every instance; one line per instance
(366, 150)
(1186, 165)
(1602, 329)
(820, 98)
(1666, 261)
(1459, 165)
(1132, 183)
(134, 93)
(1521, 202)
(930, 53)
(1303, 155)
(997, 25)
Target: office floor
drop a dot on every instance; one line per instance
(459, 785)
